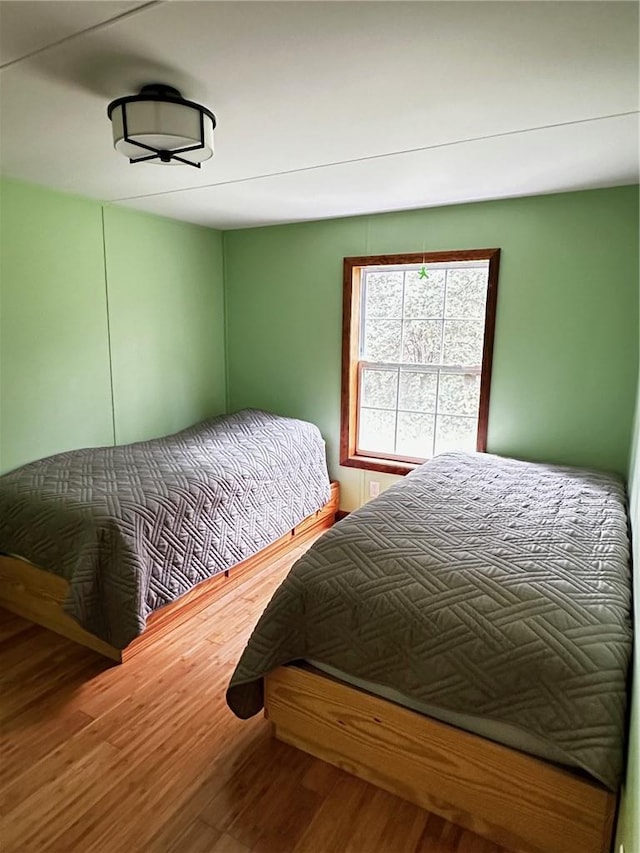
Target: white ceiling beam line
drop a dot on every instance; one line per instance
(371, 157)
(143, 7)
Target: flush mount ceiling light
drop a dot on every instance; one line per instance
(160, 122)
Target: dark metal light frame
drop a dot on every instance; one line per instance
(168, 95)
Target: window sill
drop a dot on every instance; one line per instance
(374, 463)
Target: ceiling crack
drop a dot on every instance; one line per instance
(376, 156)
(143, 7)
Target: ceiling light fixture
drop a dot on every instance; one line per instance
(162, 123)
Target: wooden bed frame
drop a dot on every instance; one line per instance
(516, 801)
(38, 595)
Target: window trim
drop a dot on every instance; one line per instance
(350, 350)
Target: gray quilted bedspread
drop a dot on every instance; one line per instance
(478, 585)
(134, 527)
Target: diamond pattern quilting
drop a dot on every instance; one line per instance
(479, 585)
(134, 527)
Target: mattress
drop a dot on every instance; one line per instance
(478, 586)
(134, 527)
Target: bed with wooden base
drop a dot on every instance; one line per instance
(38, 595)
(463, 641)
(511, 798)
(135, 536)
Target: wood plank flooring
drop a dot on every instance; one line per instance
(147, 758)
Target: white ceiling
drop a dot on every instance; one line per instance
(327, 109)
(27, 28)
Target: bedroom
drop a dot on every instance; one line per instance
(128, 320)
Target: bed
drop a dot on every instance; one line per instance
(466, 640)
(100, 542)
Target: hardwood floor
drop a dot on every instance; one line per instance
(147, 757)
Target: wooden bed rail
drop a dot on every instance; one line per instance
(522, 803)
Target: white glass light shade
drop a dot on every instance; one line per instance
(164, 126)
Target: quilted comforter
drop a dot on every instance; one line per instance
(479, 585)
(134, 527)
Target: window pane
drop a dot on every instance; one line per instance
(463, 342)
(415, 435)
(383, 294)
(466, 293)
(376, 430)
(459, 394)
(422, 341)
(417, 391)
(382, 340)
(379, 388)
(455, 433)
(424, 297)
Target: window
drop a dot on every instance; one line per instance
(416, 351)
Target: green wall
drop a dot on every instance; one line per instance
(54, 353)
(564, 368)
(138, 301)
(166, 312)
